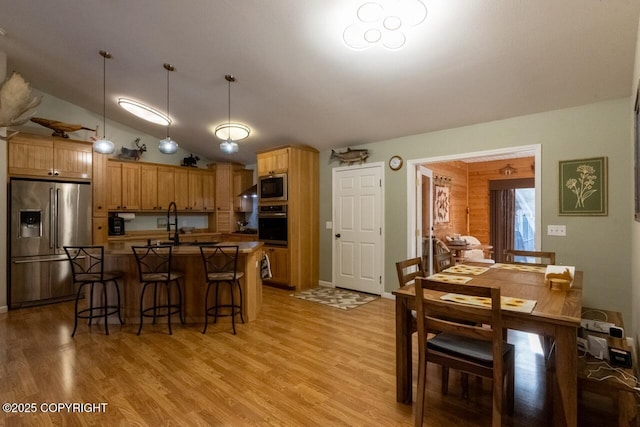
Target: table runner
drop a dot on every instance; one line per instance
(449, 278)
(520, 267)
(466, 269)
(507, 303)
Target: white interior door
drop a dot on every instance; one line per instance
(357, 228)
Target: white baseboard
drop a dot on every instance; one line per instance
(4, 309)
(388, 295)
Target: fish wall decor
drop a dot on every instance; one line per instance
(350, 156)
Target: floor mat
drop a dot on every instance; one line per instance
(335, 297)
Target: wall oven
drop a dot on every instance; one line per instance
(272, 188)
(272, 224)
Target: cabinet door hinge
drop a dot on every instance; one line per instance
(380, 279)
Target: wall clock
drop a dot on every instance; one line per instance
(395, 162)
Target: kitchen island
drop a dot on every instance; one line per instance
(186, 259)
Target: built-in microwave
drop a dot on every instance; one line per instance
(272, 188)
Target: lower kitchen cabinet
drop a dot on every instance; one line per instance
(279, 261)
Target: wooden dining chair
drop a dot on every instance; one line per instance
(473, 349)
(546, 258)
(408, 270)
(442, 261)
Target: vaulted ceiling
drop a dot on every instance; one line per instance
(297, 80)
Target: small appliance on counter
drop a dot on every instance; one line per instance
(116, 226)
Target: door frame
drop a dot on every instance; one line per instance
(334, 252)
(414, 164)
(423, 171)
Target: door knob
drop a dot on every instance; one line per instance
(338, 235)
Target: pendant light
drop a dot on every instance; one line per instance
(231, 132)
(103, 145)
(168, 145)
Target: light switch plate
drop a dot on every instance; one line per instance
(556, 230)
(328, 225)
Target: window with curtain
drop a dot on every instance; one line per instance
(512, 210)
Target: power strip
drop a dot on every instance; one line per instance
(597, 326)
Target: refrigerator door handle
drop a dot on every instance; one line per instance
(57, 219)
(52, 219)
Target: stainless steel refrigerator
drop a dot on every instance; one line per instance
(45, 216)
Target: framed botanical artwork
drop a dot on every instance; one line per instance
(442, 202)
(583, 187)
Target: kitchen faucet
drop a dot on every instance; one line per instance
(175, 238)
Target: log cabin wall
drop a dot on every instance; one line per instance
(479, 175)
(457, 171)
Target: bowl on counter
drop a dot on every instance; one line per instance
(187, 230)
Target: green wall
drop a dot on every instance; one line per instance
(600, 246)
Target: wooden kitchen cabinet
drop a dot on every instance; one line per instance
(166, 186)
(45, 156)
(156, 187)
(195, 190)
(188, 189)
(273, 161)
(224, 186)
(208, 191)
(224, 202)
(242, 180)
(100, 230)
(123, 186)
(299, 262)
(279, 261)
(99, 185)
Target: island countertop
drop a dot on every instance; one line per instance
(187, 260)
(124, 247)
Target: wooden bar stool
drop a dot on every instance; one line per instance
(87, 268)
(154, 268)
(221, 266)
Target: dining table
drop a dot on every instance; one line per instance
(556, 314)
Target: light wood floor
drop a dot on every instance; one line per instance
(299, 364)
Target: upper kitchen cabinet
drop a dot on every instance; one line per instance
(123, 183)
(208, 190)
(224, 200)
(189, 188)
(274, 161)
(157, 184)
(242, 180)
(45, 156)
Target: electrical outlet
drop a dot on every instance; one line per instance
(161, 223)
(556, 230)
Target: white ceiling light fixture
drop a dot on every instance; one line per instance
(385, 22)
(231, 132)
(103, 145)
(144, 112)
(168, 145)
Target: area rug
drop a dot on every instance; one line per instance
(335, 297)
